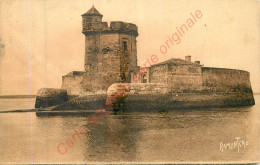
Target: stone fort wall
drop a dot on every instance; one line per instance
(225, 80)
(180, 78)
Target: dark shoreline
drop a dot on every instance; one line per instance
(21, 110)
(47, 112)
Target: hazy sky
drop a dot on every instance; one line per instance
(43, 39)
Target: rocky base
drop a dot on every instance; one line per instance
(140, 97)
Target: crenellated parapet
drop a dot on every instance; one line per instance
(115, 27)
(124, 27)
(92, 24)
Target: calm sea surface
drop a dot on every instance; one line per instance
(176, 136)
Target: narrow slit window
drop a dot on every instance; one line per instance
(125, 45)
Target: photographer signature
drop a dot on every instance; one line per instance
(236, 145)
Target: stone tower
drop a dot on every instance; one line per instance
(110, 52)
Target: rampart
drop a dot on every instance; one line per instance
(156, 97)
(225, 80)
(179, 77)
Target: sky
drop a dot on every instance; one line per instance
(41, 40)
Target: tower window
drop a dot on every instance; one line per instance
(125, 45)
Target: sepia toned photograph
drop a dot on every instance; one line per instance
(129, 81)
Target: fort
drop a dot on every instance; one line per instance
(111, 60)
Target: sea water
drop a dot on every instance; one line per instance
(194, 135)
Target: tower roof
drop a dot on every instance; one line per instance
(92, 11)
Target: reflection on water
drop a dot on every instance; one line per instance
(177, 136)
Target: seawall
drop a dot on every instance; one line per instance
(155, 97)
(159, 102)
(184, 101)
(139, 98)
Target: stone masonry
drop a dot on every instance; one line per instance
(110, 52)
